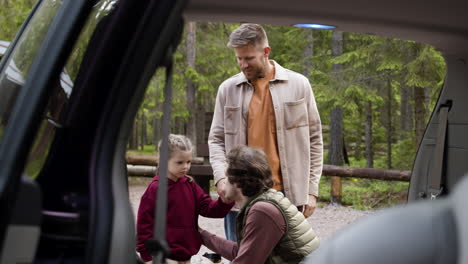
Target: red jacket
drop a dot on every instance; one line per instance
(185, 201)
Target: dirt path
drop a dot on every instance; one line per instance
(326, 221)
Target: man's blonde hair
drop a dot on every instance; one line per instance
(248, 34)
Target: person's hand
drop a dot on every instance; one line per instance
(225, 200)
(310, 206)
(149, 262)
(221, 188)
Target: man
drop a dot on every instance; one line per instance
(272, 108)
(269, 228)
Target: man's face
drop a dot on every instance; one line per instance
(232, 192)
(179, 164)
(252, 61)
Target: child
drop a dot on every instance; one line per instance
(185, 201)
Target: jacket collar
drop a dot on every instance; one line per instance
(280, 75)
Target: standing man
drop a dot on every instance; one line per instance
(270, 229)
(274, 109)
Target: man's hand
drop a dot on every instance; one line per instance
(310, 206)
(221, 189)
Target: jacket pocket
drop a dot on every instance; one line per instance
(295, 114)
(232, 119)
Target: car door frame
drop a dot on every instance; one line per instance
(31, 102)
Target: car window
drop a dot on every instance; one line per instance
(3, 47)
(12, 76)
(60, 97)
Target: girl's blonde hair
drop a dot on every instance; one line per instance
(177, 142)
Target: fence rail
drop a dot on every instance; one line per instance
(145, 166)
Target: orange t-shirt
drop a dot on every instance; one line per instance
(261, 128)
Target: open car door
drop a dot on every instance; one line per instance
(80, 72)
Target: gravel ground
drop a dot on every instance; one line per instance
(326, 221)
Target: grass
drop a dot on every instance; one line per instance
(147, 150)
(361, 194)
(364, 194)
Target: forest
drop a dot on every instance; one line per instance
(374, 94)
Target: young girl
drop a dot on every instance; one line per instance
(185, 201)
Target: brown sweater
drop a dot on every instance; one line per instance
(264, 228)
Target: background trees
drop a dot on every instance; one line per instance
(374, 94)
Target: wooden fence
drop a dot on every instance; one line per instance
(145, 166)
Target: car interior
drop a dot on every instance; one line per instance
(83, 69)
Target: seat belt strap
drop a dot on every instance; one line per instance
(158, 246)
(436, 172)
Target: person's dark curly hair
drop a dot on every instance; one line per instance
(249, 169)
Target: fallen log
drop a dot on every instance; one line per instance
(152, 160)
(148, 160)
(141, 170)
(328, 170)
(366, 173)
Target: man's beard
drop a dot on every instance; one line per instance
(257, 73)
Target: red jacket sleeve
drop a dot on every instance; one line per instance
(145, 220)
(209, 208)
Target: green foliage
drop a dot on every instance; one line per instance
(12, 15)
(364, 194)
(403, 153)
(147, 150)
(370, 68)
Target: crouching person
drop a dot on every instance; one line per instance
(270, 229)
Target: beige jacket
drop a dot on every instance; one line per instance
(299, 130)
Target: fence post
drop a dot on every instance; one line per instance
(335, 195)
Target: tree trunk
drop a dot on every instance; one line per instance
(427, 101)
(406, 111)
(132, 141)
(389, 124)
(200, 123)
(156, 132)
(308, 52)
(136, 134)
(142, 130)
(178, 126)
(157, 120)
(419, 114)
(335, 152)
(368, 136)
(191, 87)
(208, 121)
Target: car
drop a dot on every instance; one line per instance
(62, 147)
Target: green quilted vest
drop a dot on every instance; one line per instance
(299, 239)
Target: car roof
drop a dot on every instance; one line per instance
(443, 24)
